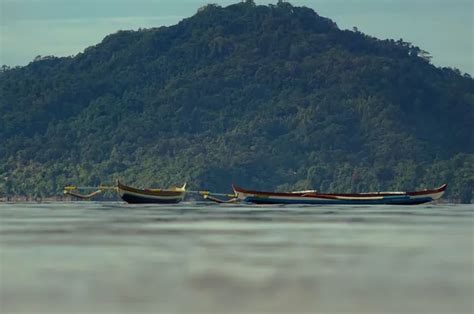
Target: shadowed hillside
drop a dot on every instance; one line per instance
(269, 97)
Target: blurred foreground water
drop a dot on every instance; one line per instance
(89, 257)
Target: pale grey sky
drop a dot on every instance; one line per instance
(65, 27)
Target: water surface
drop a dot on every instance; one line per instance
(91, 257)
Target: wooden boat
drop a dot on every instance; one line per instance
(151, 196)
(313, 197)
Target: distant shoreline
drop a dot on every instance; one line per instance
(38, 199)
(68, 199)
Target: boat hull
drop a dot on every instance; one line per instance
(377, 198)
(140, 196)
(133, 199)
(259, 200)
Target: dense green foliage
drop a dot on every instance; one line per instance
(269, 97)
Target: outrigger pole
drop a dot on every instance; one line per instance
(69, 190)
(100, 187)
(204, 193)
(211, 196)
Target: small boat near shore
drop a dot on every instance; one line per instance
(151, 196)
(316, 198)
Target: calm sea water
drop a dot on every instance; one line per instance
(89, 257)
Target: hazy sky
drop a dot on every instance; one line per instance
(65, 27)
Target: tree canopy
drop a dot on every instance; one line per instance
(269, 97)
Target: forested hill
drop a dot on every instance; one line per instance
(269, 97)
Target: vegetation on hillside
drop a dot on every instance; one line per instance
(269, 97)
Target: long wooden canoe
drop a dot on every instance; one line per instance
(151, 196)
(313, 197)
